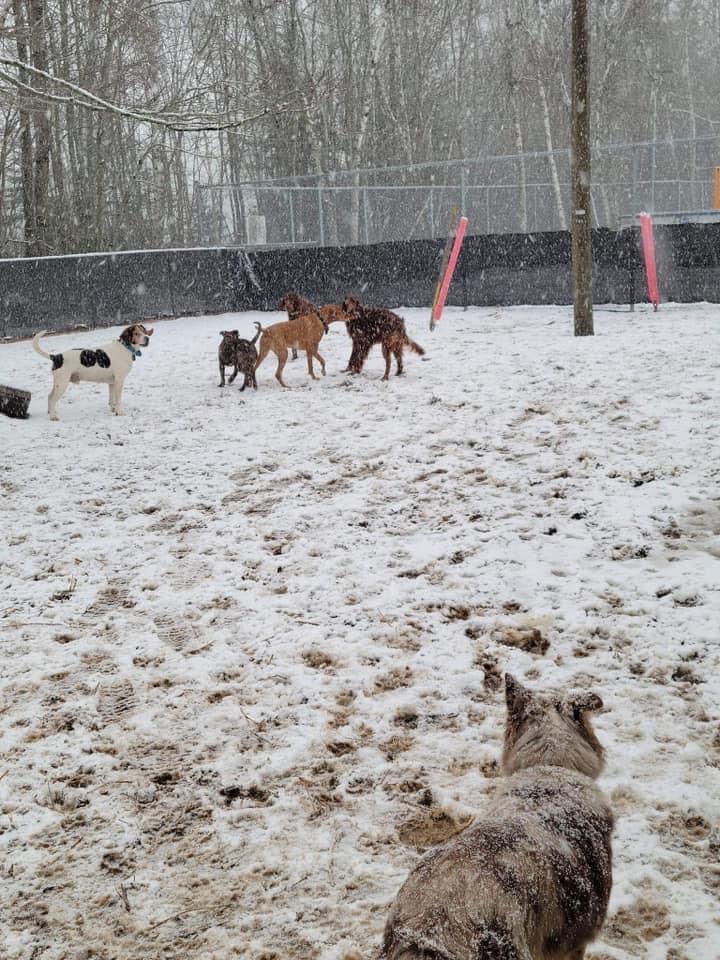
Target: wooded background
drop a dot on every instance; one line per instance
(114, 110)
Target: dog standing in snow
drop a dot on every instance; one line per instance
(531, 878)
(241, 354)
(110, 364)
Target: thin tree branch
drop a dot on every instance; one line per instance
(193, 122)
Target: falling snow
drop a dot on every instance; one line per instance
(253, 644)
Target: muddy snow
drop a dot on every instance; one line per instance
(252, 644)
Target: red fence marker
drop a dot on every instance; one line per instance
(648, 248)
(454, 254)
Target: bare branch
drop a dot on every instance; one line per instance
(191, 122)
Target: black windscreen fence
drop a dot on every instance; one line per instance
(100, 290)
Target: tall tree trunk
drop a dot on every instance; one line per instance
(26, 143)
(41, 118)
(361, 133)
(581, 219)
(552, 163)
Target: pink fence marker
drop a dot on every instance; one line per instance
(648, 247)
(454, 254)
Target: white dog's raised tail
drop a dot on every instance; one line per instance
(36, 344)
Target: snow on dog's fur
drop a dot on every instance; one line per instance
(530, 880)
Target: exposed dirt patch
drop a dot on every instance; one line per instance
(427, 828)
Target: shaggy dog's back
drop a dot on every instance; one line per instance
(531, 879)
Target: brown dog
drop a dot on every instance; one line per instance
(367, 326)
(303, 333)
(296, 306)
(235, 351)
(227, 354)
(247, 359)
(530, 879)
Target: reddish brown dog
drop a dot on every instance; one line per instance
(367, 326)
(303, 333)
(296, 306)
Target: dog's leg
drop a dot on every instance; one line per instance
(294, 353)
(60, 385)
(282, 356)
(222, 375)
(264, 350)
(399, 359)
(388, 356)
(309, 356)
(119, 412)
(235, 373)
(350, 368)
(360, 358)
(111, 395)
(320, 359)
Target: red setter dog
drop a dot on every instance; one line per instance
(367, 326)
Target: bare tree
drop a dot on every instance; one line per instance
(113, 113)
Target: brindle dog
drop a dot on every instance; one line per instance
(247, 359)
(530, 879)
(227, 354)
(236, 352)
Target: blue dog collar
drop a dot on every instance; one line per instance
(135, 353)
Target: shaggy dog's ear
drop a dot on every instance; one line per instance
(517, 697)
(584, 702)
(127, 335)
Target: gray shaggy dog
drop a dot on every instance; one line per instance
(531, 878)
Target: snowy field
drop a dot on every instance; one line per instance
(252, 643)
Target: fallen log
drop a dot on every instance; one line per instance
(14, 402)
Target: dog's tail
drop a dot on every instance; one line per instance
(259, 331)
(36, 345)
(414, 346)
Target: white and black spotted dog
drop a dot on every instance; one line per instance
(110, 364)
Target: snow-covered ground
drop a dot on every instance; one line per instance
(251, 644)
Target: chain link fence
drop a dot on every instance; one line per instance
(522, 193)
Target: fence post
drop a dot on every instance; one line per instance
(652, 177)
(635, 178)
(365, 215)
(320, 213)
(292, 215)
(198, 214)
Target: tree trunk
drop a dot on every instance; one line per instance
(581, 219)
(26, 144)
(551, 156)
(360, 139)
(41, 161)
